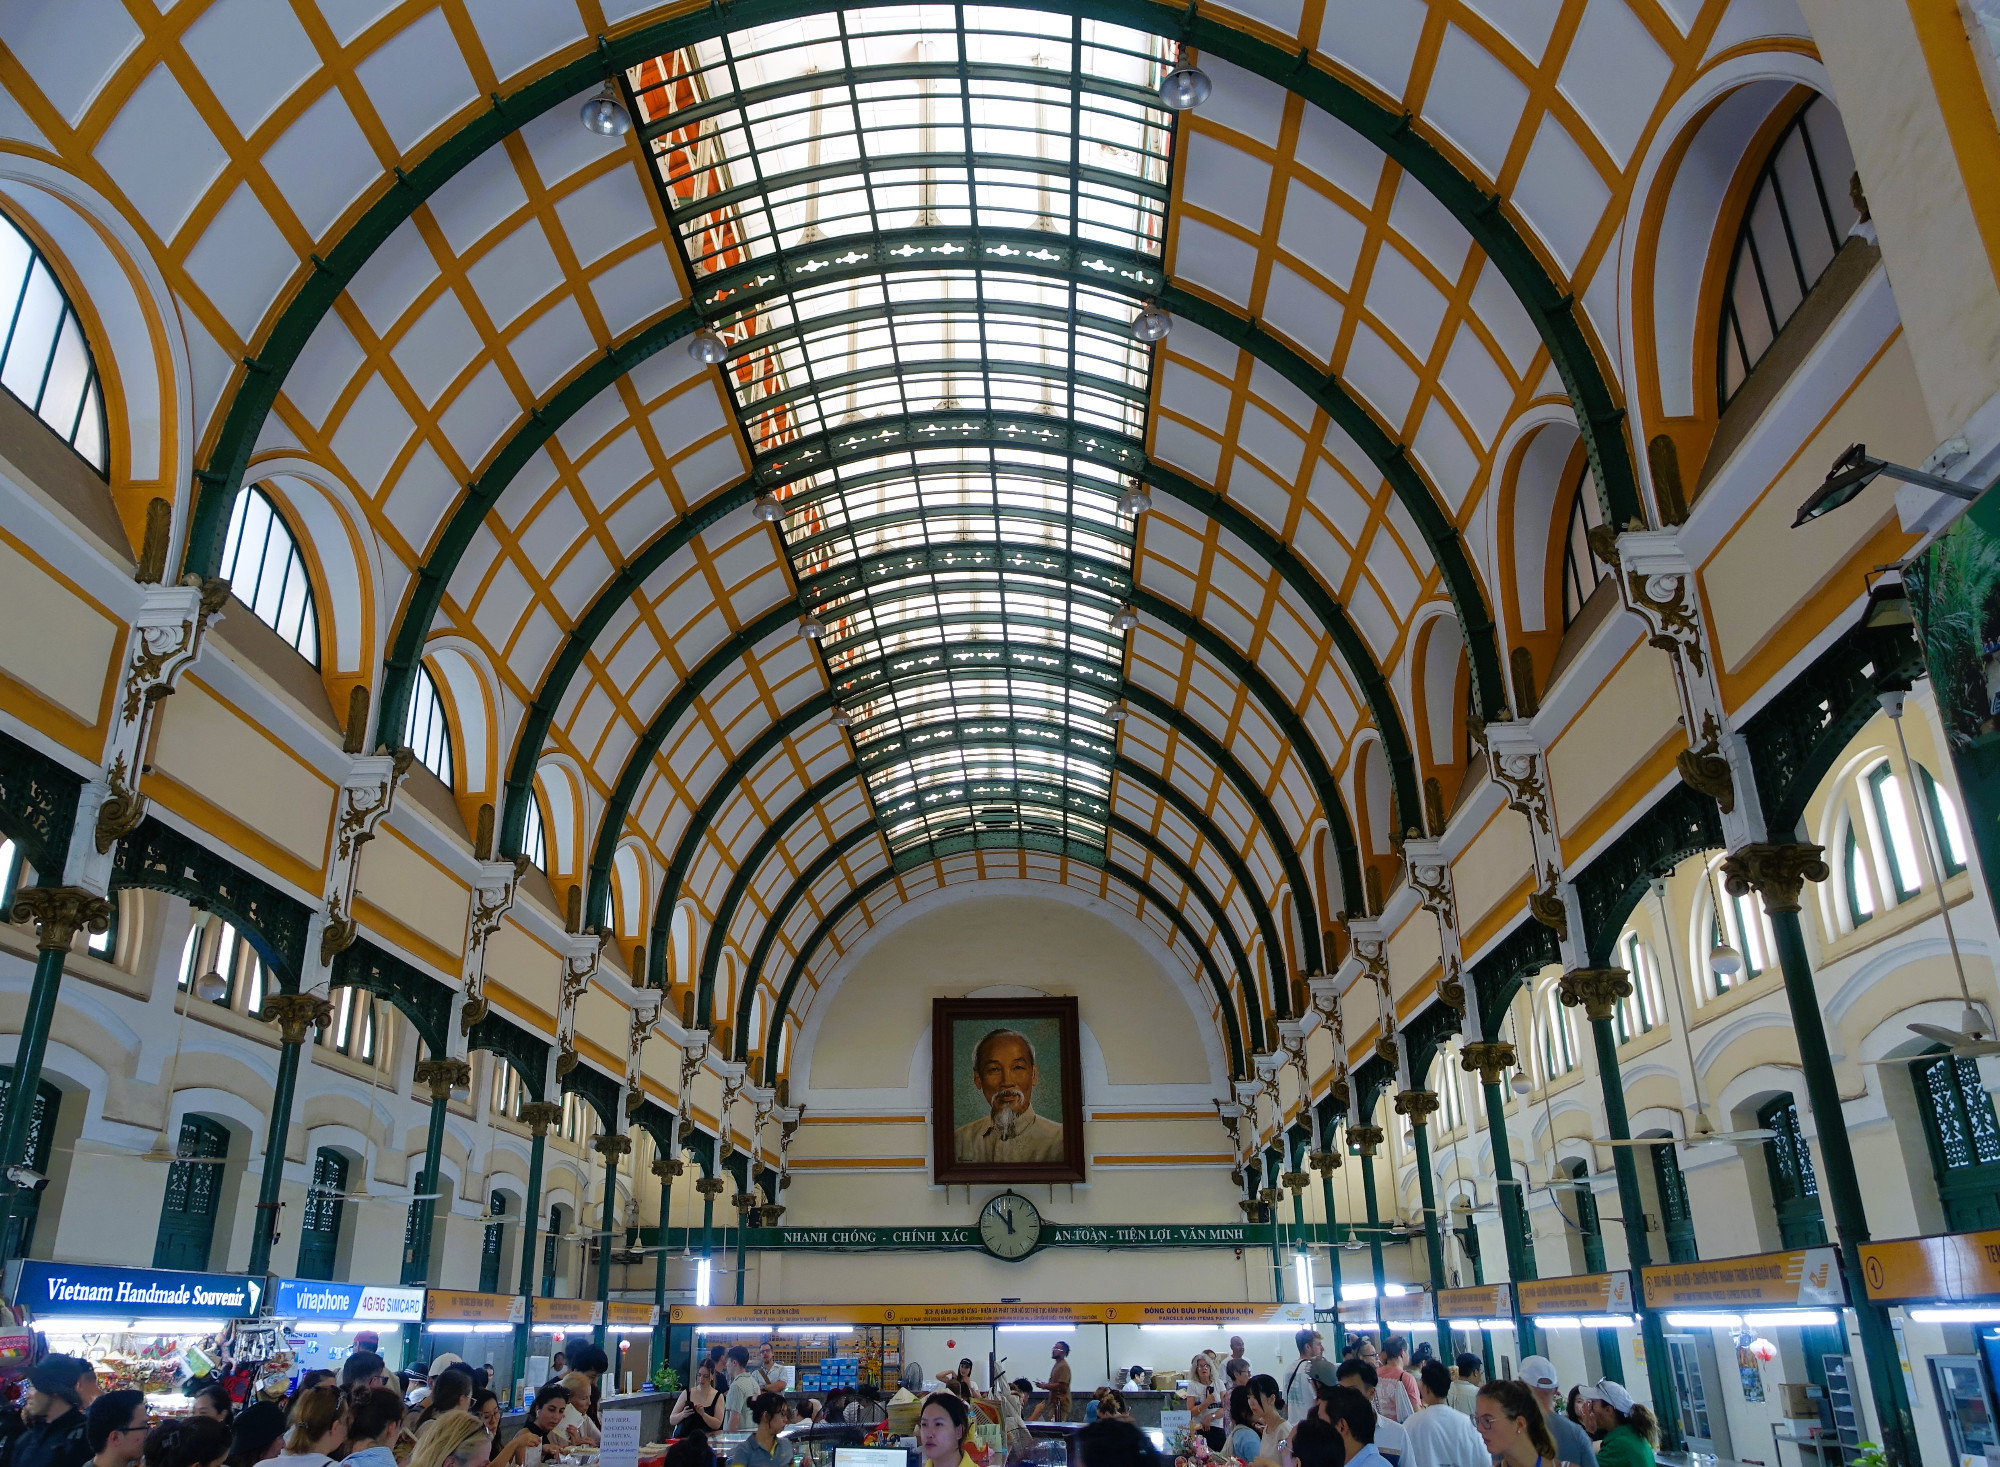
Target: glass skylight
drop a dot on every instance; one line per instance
(904, 222)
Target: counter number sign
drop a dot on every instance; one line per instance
(1009, 1227)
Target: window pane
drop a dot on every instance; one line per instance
(35, 328)
(69, 375)
(1905, 870)
(1795, 185)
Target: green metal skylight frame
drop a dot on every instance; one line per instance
(948, 445)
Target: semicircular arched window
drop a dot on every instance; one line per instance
(427, 730)
(45, 361)
(534, 836)
(266, 572)
(1799, 215)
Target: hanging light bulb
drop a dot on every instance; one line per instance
(211, 986)
(1725, 959)
(707, 348)
(1152, 324)
(1135, 501)
(1124, 618)
(841, 717)
(605, 115)
(811, 627)
(769, 509)
(1353, 1243)
(1185, 87)
(1116, 713)
(1521, 1084)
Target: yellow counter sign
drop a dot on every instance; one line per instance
(1953, 1268)
(1588, 1293)
(460, 1307)
(1800, 1277)
(991, 1314)
(1490, 1301)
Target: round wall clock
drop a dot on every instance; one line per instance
(1009, 1227)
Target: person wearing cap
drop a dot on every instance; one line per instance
(1437, 1435)
(56, 1435)
(117, 1423)
(1538, 1374)
(1625, 1430)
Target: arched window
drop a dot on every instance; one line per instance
(1582, 570)
(319, 1223)
(1964, 1141)
(194, 1185)
(534, 839)
(261, 562)
(1794, 1183)
(507, 1095)
(44, 359)
(14, 873)
(549, 1244)
(489, 1246)
(1558, 1042)
(354, 1026)
(426, 730)
(1642, 1008)
(1882, 861)
(1799, 215)
(1442, 1081)
(1742, 923)
(213, 946)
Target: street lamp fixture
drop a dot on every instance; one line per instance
(1855, 470)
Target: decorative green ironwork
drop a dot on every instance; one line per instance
(1424, 1033)
(604, 1095)
(1527, 949)
(37, 806)
(156, 857)
(423, 1000)
(1796, 737)
(527, 1053)
(1679, 824)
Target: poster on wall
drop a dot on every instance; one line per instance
(1006, 1090)
(1954, 592)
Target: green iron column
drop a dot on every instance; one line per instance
(1468, 1239)
(710, 1188)
(1324, 1163)
(1419, 1106)
(1492, 1059)
(59, 913)
(1777, 872)
(741, 1201)
(539, 1115)
(442, 1076)
(1598, 991)
(1368, 1139)
(666, 1168)
(610, 1145)
(294, 1014)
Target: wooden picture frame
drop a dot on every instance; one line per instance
(966, 1146)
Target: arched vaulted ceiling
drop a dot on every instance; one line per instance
(922, 234)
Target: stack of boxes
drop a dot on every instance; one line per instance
(833, 1373)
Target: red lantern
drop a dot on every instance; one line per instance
(1763, 1349)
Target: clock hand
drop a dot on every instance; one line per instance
(1008, 1217)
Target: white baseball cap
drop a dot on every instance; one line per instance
(445, 1361)
(1539, 1372)
(1610, 1393)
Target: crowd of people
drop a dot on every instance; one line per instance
(362, 1416)
(1377, 1406)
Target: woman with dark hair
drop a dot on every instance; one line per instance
(213, 1402)
(1510, 1422)
(186, 1441)
(374, 1422)
(942, 1427)
(545, 1414)
(1245, 1440)
(451, 1391)
(699, 1407)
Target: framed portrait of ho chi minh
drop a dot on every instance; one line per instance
(1006, 1090)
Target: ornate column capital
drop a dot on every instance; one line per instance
(1776, 872)
(767, 1216)
(443, 1076)
(1491, 1058)
(1595, 990)
(59, 913)
(710, 1186)
(1365, 1138)
(1418, 1105)
(666, 1168)
(1326, 1163)
(540, 1115)
(294, 1013)
(610, 1145)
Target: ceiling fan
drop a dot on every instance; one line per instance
(1701, 1133)
(160, 1152)
(362, 1194)
(1973, 1039)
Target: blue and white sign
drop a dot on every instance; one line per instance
(127, 1293)
(320, 1299)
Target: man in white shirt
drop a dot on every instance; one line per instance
(1438, 1435)
(1310, 1369)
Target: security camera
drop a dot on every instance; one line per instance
(27, 1178)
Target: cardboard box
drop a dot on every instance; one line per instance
(1800, 1402)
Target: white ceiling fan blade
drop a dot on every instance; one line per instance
(1938, 1034)
(1634, 1140)
(1975, 1048)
